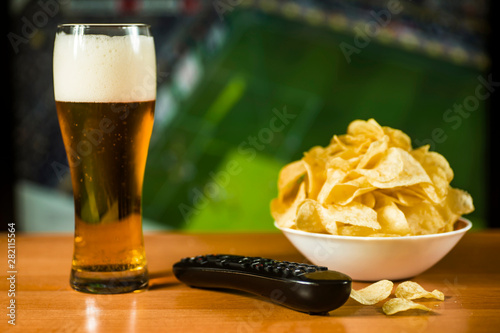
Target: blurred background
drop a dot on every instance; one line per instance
(227, 68)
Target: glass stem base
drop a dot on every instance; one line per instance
(106, 282)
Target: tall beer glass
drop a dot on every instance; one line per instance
(105, 91)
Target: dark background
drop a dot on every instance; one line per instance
(223, 69)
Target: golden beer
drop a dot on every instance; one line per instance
(106, 136)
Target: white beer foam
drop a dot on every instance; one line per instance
(98, 68)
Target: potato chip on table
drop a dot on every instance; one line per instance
(374, 293)
(405, 293)
(412, 290)
(395, 305)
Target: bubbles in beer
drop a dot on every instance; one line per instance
(99, 66)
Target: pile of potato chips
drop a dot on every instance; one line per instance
(405, 293)
(369, 182)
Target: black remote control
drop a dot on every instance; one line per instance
(302, 287)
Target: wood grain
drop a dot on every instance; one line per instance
(469, 276)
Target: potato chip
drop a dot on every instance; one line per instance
(374, 293)
(387, 167)
(398, 138)
(433, 162)
(340, 164)
(367, 199)
(396, 305)
(343, 194)
(284, 211)
(412, 290)
(411, 173)
(391, 219)
(354, 214)
(316, 174)
(314, 217)
(373, 154)
(424, 219)
(289, 177)
(384, 235)
(369, 182)
(428, 192)
(354, 230)
(405, 197)
(459, 201)
(308, 216)
(334, 176)
(368, 128)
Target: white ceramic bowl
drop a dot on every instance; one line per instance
(376, 258)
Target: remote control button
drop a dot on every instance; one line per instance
(200, 260)
(286, 272)
(221, 263)
(257, 266)
(278, 270)
(212, 258)
(236, 265)
(245, 261)
(298, 272)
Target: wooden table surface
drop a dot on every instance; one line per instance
(469, 276)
